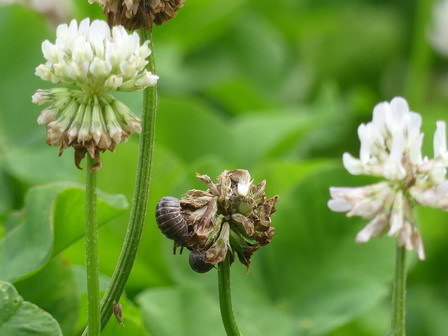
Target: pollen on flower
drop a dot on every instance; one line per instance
(391, 149)
(91, 60)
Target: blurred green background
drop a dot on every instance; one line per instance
(275, 87)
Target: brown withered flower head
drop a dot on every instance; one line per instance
(231, 216)
(134, 14)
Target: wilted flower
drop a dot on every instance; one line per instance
(134, 14)
(391, 148)
(91, 60)
(438, 34)
(232, 216)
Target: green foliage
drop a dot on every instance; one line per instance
(22, 318)
(278, 88)
(57, 292)
(132, 323)
(51, 221)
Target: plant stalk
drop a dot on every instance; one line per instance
(399, 294)
(93, 293)
(140, 196)
(225, 298)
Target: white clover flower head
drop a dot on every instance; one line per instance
(91, 60)
(391, 148)
(438, 33)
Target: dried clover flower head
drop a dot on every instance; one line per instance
(231, 216)
(134, 14)
(91, 60)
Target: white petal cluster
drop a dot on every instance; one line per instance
(92, 56)
(391, 148)
(438, 34)
(90, 61)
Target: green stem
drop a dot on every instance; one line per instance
(225, 298)
(140, 197)
(399, 294)
(420, 60)
(92, 252)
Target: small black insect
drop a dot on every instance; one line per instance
(197, 262)
(170, 220)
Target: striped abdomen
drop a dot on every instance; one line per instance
(170, 220)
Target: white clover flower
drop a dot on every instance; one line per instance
(391, 148)
(438, 34)
(91, 60)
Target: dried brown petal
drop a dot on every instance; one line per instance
(245, 255)
(196, 199)
(211, 186)
(225, 190)
(218, 251)
(246, 223)
(80, 153)
(258, 194)
(134, 14)
(264, 238)
(265, 210)
(206, 225)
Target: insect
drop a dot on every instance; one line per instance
(170, 220)
(197, 262)
(118, 312)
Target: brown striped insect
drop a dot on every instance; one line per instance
(170, 220)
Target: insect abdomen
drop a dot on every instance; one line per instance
(170, 220)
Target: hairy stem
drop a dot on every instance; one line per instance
(399, 295)
(93, 295)
(140, 197)
(225, 298)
